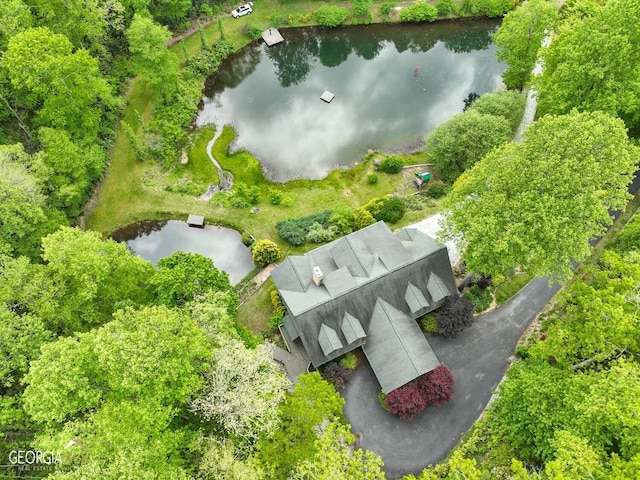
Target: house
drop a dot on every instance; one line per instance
(366, 290)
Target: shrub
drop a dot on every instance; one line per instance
(331, 16)
(386, 8)
(372, 179)
(275, 321)
(405, 402)
(362, 218)
(294, 230)
(454, 316)
(287, 201)
(392, 210)
(244, 196)
(362, 7)
(274, 20)
(341, 218)
(382, 398)
(391, 164)
(436, 387)
(247, 239)
(419, 12)
(254, 33)
(480, 297)
(429, 324)
(265, 252)
(437, 190)
(276, 301)
(336, 374)
(445, 7)
(318, 233)
(349, 361)
(275, 196)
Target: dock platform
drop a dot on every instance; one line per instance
(272, 37)
(195, 221)
(327, 96)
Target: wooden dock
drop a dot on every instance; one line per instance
(327, 96)
(272, 37)
(195, 221)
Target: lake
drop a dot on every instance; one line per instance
(392, 85)
(154, 240)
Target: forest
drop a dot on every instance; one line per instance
(120, 370)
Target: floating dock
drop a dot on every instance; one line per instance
(272, 37)
(327, 96)
(195, 221)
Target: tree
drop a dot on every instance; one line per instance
(245, 405)
(336, 458)
(224, 460)
(520, 38)
(313, 401)
(537, 204)
(67, 171)
(153, 354)
(64, 86)
(594, 65)
(463, 140)
(406, 402)
(265, 252)
(182, 277)
(15, 17)
(454, 316)
(574, 458)
(149, 55)
(21, 206)
(97, 276)
(502, 103)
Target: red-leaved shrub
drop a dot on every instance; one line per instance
(436, 387)
(406, 401)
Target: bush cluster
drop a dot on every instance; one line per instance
(481, 298)
(336, 374)
(349, 361)
(445, 7)
(454, 316)
(243, 196)
(295, 230)
(419, 12)
(265, 252)
(276, 302)
(434, 388)
(387, 209)
(331, 16)
(488, 8)
(391, 164)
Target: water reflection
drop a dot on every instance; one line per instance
(381, 101)
(155, 240)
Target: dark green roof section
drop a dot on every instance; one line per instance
(437, 289)
(396, 348)
(328, 340)
(339, 281)
(352, 328)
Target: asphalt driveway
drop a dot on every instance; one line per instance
(478, 358)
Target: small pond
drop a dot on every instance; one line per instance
(154, 240)
(393, 84)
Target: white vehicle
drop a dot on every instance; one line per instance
(242, 10)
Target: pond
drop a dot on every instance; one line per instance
(392, 85)
(154, 240)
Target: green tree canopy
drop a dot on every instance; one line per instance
(537, 204)
(502, 103)
(149, 55)
(520, 38)
(64, 86)
(594, 64)
(182, 277)
(463, 140)
(21, 205)
(97, 277)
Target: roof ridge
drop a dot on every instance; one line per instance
(355, 254)
(383, 303)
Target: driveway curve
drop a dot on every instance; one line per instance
(478, 359)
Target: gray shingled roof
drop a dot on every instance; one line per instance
(396, 348)
(408, 271)
(352, 328)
